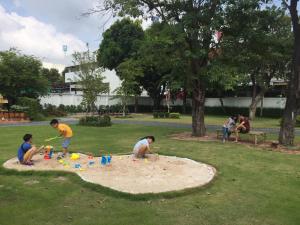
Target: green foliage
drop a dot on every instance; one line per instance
(298, 121)
(31, 106)
(160, 114)
(260, 43)
(53, 76)
(20, 76)
(18, 108)
(95, 121)
(52, 110)
(124, 92)
(119, 43)
(174, 116)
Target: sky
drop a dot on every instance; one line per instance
(42, 27)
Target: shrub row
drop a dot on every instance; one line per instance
(159, 114)
(95, 121)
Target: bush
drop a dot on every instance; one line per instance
(159, 114)
(40, 117)
(298, 121)
(52, 110)
(32, 107)
(18, 108)
(95, 121)
(175, 115)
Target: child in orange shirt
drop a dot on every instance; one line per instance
(65, 131)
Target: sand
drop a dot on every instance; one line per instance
(126, 174)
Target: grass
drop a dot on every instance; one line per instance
(253, 187)
(259, 122)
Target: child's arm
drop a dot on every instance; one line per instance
(148, 149)
(226, 122)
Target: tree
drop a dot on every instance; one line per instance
(53, 76)
(199, 20)
(262, 41)
(121, 42)
(130, 71)
(21, 76)
(158, 58)
(124, 92)
(292, 107)
(90, 78)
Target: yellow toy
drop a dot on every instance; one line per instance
(75, 156)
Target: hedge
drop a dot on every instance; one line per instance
(95, 121)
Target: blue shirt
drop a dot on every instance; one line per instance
(140, 143)
(22, 150)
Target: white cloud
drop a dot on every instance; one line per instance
(32, 36)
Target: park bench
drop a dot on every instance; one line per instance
(253, 134)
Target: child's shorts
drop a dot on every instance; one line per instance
(66, 142)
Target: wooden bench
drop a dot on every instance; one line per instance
(219, 133)
(256, 134)
(253, 134)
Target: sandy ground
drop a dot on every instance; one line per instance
(130, 175)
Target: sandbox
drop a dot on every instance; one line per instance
(127, 174)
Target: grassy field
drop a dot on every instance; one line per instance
(253, 186)
(209, 119)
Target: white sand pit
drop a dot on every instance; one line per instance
(128, 175)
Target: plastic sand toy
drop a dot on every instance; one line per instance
(75, 156)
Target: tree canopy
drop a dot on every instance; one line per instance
(21, 76)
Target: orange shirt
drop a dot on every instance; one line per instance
(65, 130)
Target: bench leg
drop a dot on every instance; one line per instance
(255, 139)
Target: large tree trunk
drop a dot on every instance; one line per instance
(286, 134)
(254, 104)
(198, 102)
(156, 103)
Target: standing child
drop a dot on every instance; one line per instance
(65, 131)
(143, 146)
(27, 150)
(228, 127)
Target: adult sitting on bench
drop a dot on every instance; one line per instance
(243, 127)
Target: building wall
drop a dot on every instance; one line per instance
(110, 77)
(75, 99)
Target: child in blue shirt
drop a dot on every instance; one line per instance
(143, 146)
(27, 150)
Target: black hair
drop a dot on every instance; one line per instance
(27, 137)
(150, 137)
(54, 121)
(235, 118)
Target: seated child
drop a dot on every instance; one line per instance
(243, 127)
(143, 146)
(228, 127)
(64, 131)
(27, 150)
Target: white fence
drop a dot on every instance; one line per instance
(75, 99)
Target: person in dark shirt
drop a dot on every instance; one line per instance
(26, 151)
(243, 127)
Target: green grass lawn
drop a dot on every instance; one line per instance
(253, 187)
(209, 119)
